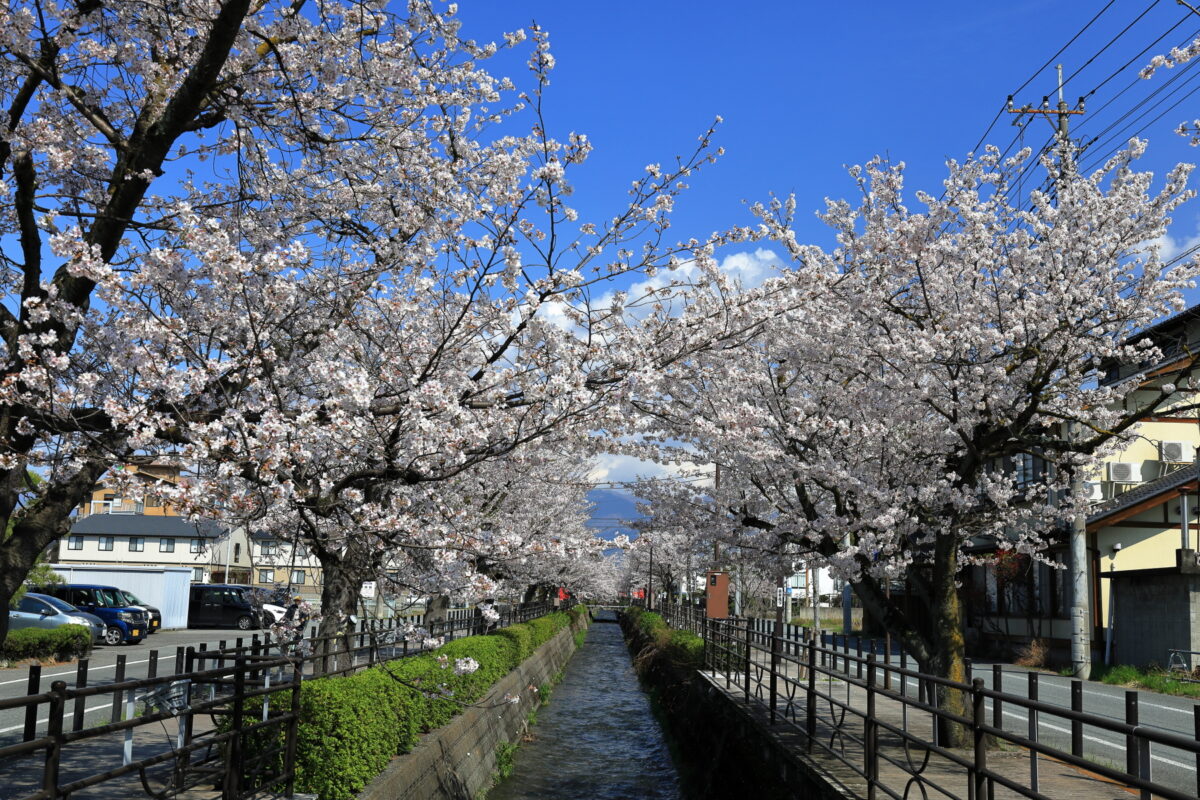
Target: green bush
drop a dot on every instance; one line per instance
(351, 726)
(62, 644)
(681, 648)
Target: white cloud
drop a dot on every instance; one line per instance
(616, 469)
(1169, 247)
(748, 269)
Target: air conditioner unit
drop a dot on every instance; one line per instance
(1124, 472)
(1176, 452)
(1094, 489)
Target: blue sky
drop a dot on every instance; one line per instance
(807, 88)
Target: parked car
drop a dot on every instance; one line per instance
(153, 614)
(123, 622)
(36, 610)
(223, 605)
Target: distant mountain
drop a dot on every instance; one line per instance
(613, 512)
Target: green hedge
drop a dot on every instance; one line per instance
(681, 648)
(62, 644)
(350, 727)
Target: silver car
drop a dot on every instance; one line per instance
(43, 611)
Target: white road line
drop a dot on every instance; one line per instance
(11, 728)
(91, 669)
(1095, 691)
(1105, 742)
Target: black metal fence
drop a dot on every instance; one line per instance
(185, 725)
(892, 726)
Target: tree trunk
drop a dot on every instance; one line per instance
(48, 518)
(438, 609)
(948, 652)
(934, 637)
(339, 599)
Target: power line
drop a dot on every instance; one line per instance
(1031, 78)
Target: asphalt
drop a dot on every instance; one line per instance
(1178, 715)
(101, 669)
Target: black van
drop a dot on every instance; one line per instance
(222, 605)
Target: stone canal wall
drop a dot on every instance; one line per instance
(457, 761)
(723, 747)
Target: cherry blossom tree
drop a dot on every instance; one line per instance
(315, 249)
(877, 418)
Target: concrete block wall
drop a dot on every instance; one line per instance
(457, 761)
(1154, 614)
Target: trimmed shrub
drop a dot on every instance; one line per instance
(351, 726)
(62, 644)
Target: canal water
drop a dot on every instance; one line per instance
(597, 739)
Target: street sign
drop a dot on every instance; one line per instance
(368, 589)
(779, 597)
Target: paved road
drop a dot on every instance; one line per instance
(1178, 715)
(101, 669)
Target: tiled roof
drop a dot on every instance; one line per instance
(1144, 491)
(146, 525)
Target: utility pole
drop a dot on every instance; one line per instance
(1060, 126)
(1081, 615)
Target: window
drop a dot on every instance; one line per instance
(298, 576)
(32, 605)
(1028, 470)
(166, 545)
(74, 542)
(198, 574)
(237, 551)
(106, 543)
(266, 576)
(267, 548)
(197, 546)
(153, 501)
(136, 544)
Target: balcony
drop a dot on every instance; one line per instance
(115, 507)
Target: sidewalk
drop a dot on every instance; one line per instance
(838, 751)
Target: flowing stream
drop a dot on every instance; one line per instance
(597, 739)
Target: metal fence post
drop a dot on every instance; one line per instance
(997, 705)
(1076, 725)
(749, 649)
(978, 720)
(775, 644)
(810, 710)
(1137, 748)
(116, 700)
(871, 732)
(887, 661)
(54, 730)
(233, 761)
(1131, 718)
(1196, 730)
(31, 710)
(293, 732)
(80, 683)
(1033, 732)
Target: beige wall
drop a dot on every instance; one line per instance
(213, 553)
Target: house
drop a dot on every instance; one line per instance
(113, 529)
(1144, 512)
(278, 562)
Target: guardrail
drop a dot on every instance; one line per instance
(884, 714)
(199, 705)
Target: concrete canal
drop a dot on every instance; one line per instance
(597, 738)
